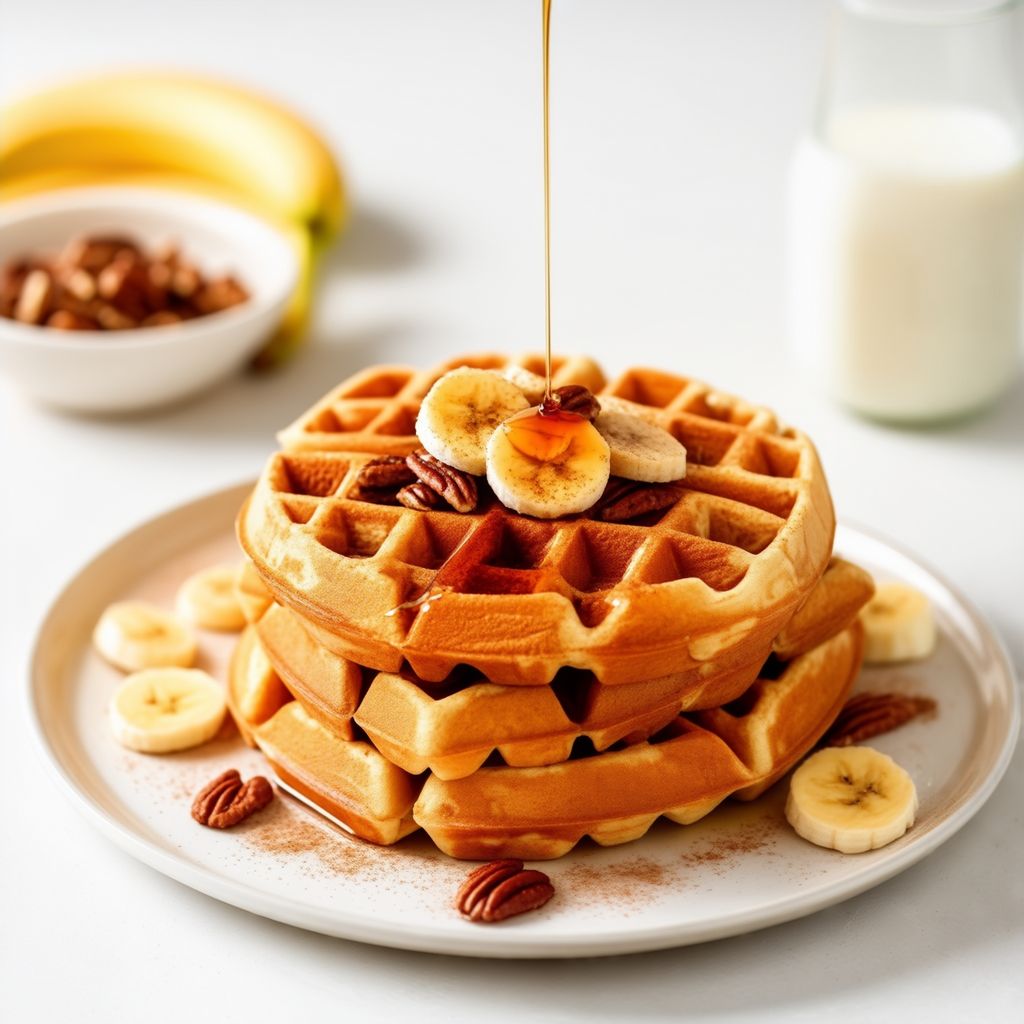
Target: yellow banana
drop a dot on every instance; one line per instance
(180, 132)
(176, 123)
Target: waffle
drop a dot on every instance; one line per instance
(715, 577)
(831, 606)
(375, 410)
(682, 772)
(255, 691)
(328, 687)
(346, 779)
(251, 592)
(452, 728)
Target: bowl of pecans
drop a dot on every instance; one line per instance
(117, 299)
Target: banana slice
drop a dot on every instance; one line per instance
(898, 624)
(612, 403)
(531, 384)
(851, 799)
(160, 710)
(461, 412)
(208, 599)
(640, 450)
(545, 467)
(134, 635)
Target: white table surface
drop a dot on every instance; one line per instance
(672, 131)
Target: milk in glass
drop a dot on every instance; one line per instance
(907, 257)
(906, 212)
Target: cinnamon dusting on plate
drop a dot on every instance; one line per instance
(624, 884)
(756, 838)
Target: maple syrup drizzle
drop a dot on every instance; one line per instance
(546, 50)
(545, 433)
(422, 601)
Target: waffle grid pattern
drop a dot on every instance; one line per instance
(453, 728)
(754, 497)
(682, 771)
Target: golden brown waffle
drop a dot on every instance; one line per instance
(831, 606)
(715, 576)
(251, 592)
(453, 732)
(328, 687)
(255, 691)
(375, 411)
(682, 773)
(452, 728)
(347, 779)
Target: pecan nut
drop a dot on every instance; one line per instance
(386, 471)
(502, 889)
(871, 714)
(110, 283)
(624, 500)
(36, 297)
(227, 800)
(65, 320)
(574, 398)
(379, 480)
(419, 496)
(455, 486)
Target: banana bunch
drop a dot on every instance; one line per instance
(180, 131)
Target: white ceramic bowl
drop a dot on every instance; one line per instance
(120, 371)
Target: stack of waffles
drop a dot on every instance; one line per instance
(510, 685)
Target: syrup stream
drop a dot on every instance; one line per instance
(546, 47)
(557, 426)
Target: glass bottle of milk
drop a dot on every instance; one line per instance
(906, 210)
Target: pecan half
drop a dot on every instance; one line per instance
(419, 496)
(502, 889)
(65, 320)
(36, 298)
(227, 800)
(386, 471)
(573, 398)
(624, 500)
(455, 486)
(871, 714)
(379, 480)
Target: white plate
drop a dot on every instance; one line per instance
(739, 869)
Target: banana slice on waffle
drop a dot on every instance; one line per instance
(547, 466)
(640, 450)
(461, 412)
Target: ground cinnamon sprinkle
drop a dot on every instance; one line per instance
(636, 882)
(288, 833)
(757, 837)
(625, 883)
(293, 830)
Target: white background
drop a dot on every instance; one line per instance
(673, 122)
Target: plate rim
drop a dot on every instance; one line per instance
(437, 939)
